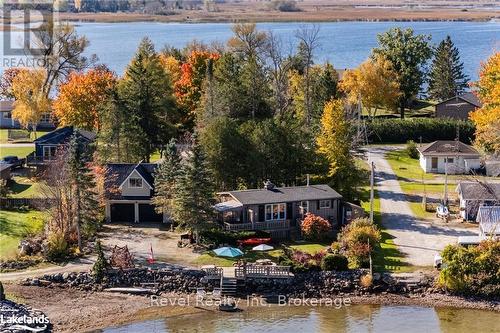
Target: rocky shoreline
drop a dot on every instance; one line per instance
(385, 287)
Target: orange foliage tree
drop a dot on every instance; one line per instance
(487, 118)
(315, 227)
(81, 97)
(189, 87)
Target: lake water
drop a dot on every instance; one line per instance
(344, 44)
(356, 318)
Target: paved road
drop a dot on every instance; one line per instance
(419, 240)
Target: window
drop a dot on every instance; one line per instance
(135, 182)
(7, 115)
(449, 160)
(275, 212)
(323, 204)
(49, 151)
(45, 118)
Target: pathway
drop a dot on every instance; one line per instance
(418, 240)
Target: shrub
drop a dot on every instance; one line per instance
(285, 6)
(359, 238)
(334, 262)
(366, 280)
(217, 236)
(315, 228)
(430, 129)
(100, 265)
(57, 247)
(473, 270)
(411, 149)
(336, 247)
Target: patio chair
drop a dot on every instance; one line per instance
(217, 293)
(201, 293)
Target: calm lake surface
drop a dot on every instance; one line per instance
(356, 318)
(344, 44)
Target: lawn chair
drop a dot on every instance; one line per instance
(201, 293)
(217, 293)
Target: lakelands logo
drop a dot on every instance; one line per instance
(23, 320)
(21, 46)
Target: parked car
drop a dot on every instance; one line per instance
(13, 161)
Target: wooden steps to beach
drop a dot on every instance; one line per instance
(229, 286)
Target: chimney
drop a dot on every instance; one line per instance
(268, 185)
(307, 179)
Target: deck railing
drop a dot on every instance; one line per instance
(267, 225)
(214, 273)
(258, 271)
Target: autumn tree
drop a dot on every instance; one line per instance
(82, 96)
(487, 118)
(446, 78)
(334, 143)
(374, 83)
(30, 100)
(6, 82)
(61, 51)
(408, 54)
(146, 99)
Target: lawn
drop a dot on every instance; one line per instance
(387, 257)
(15, 151)
(14, 226)
(24, 187)
(22, 134)
(209, 257)
(405, 167)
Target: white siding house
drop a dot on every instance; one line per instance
(452, 157)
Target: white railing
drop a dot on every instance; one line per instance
(257, 271)
(267, 225)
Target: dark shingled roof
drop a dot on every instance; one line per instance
(62, 135)
(116, 173)
(479, 191)
(468, 97)
(447, 148)
(284, 194)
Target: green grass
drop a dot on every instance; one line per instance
(15, 151)
(4, 135)
(210, 258)
(387, 257)
(405, 167)
(14, 226)
(23, 187)
(421, 108)
(155, 157)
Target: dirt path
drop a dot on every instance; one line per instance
(79, 265)
(419, 240)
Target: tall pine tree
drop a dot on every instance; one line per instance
(85, 204)
(146, 98)
(165, 177)
(194, 192)
(447, 78)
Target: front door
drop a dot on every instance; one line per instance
(434, 163)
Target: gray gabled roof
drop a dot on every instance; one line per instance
(479, 191)
(468, 97)
(284, 194)
(447, 148)
(116, 173)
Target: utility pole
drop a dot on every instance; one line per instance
(372, 176)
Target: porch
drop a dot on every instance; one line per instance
(265, 225)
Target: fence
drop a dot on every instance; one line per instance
(34, 203)
(256, 271)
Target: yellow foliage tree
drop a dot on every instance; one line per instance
(172, 66)
(487, 118)
(81, 97)
(335, 139)
(30, 100)
(374, 83)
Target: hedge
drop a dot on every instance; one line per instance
(430, 129)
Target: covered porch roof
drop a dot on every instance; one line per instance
(228, 206)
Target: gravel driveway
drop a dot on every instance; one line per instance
(418, 240)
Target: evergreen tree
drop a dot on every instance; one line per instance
(81, 178)
(192, 206)
(447, 78)
(165, 177)
(146, 98)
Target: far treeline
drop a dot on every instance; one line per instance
(258, 113)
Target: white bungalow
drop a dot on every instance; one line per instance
(452, 157)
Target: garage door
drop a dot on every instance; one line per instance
(122, 212)
(147, 214)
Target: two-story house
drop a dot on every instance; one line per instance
(129, 190)
(278, 210)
